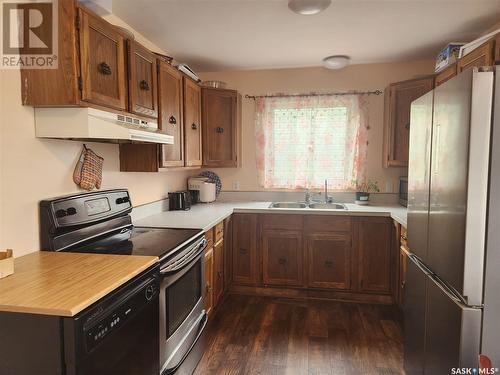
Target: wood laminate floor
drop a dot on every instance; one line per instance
(265, 335)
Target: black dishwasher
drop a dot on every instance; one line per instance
(116, 335)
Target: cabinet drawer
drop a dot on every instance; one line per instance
(209, 236)
(281, 221)
(219, 232)
(323, 223)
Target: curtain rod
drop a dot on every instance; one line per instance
(375, 92)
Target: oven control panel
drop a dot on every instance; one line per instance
(119, 315)
(86, 208)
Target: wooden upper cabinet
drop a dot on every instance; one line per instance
(329, 258)
(282, 257)
(170, 114)
(374, 254)
(446, 74)
(143, 93)
(398, 98)
(244, 249)
(481, 56)
(102, 59)
(497, 50)
(192, 123)
(221, 127)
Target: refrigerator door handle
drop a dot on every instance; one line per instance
(452, 294)
(420, 264)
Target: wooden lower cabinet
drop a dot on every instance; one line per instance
(218, 272)
(209, 282)
(215, 259)
(313, 256)
(329, 260)
(373, 237)
(282, 257)
(403, 260)
(244, 254)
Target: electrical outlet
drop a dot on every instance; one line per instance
(388, 186)
(236, 185)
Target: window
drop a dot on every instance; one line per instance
(301, 141)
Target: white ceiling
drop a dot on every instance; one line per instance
(213, 35)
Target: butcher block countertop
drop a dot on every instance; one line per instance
(64, 284)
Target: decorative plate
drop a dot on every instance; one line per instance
(213, 178)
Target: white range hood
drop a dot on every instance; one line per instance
(91, 124)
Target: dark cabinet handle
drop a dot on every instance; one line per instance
(104, 69)
(219, 274)
(329, 264)
(282, 261)
(144, 85)
(172, 120)
(194, 126)
(243, 251)
(219, 129)
(407, 126)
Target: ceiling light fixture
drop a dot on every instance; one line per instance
(336, 61)
(308, 7)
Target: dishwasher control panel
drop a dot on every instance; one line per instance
(116, 316)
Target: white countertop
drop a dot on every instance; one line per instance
(205, 215)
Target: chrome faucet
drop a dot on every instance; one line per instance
(307, 197)
(326, 190)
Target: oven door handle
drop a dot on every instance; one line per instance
(194, 253)
(203, 320)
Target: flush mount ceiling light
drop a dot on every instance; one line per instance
(336, 61)
(308, 7)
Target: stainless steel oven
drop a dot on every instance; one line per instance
(182, 314)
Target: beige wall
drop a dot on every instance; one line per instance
(32, 169)
(357, 77)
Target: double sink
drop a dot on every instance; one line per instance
(317, 206)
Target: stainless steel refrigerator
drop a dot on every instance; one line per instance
(451, 129)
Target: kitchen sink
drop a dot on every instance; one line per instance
(287, 205)
(328, 206)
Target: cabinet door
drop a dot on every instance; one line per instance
(329, 258)
(102, 59)
(374, 248)
(220, 127)
(218, 271)
(170, 114)
(496, 53)
(446, 74)
(282, 257)
(192, 125)
(398, 98)
(143, 93)
(228, 256)
(209, 282)
(481, 56)
(245, 260)
(403, 257)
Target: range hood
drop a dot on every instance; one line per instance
(90, 124)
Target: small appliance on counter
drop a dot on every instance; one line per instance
(201, 190)
(179, 201)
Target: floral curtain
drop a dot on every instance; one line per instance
(303, 140)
